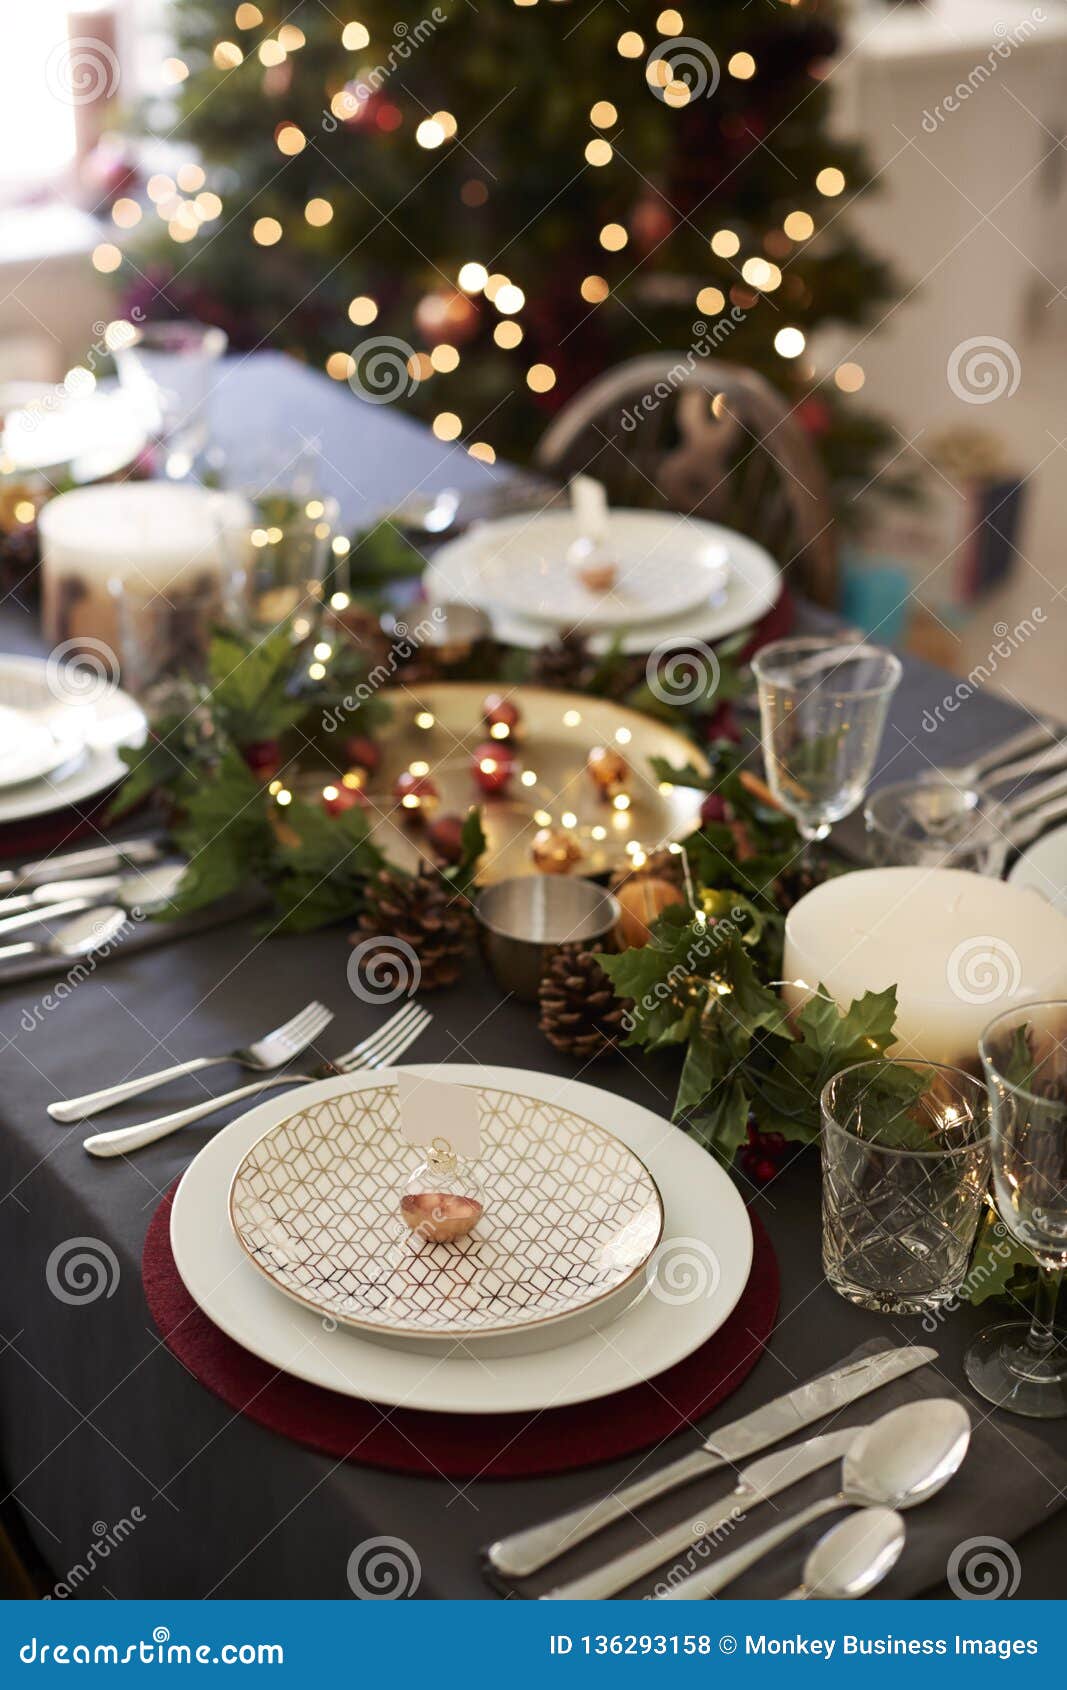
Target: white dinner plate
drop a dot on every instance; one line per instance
(29, 749)
(571, 1218)
(1043, 866)
(92, 435)
(696, 1276)
(92, 720)
(751, 586)
(665, 565)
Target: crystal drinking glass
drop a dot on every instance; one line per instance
(286, 551)
(823, 706)
(905, 1166)
(167, 368)
(1022, 1365)
(934, 825)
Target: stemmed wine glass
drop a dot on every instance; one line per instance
(823, 706)
(1018, 1365)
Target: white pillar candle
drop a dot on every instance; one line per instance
(152, 536)
(959, 948)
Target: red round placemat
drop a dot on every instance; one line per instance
(488, 1446)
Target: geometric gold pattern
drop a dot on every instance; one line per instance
(571, 1215)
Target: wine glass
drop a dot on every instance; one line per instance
(1018, 1365)
(167, 368)
(823, 706)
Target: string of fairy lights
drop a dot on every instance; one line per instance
(187, 205)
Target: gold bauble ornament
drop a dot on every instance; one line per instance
(555, 850)
(640, 901)
(607, 769)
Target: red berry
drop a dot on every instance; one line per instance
(712, 810)
(763, 1169)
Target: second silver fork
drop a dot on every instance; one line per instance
(379, 1050)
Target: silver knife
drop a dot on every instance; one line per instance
(760, 1481)
(99, 859)
(524, 1552)
(58, 892)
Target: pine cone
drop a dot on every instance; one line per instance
(421, 912)
(580, 1013)
(565, 663)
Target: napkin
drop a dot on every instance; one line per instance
(1008, 1482)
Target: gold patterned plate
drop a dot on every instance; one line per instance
(572, 1217)
(436, 728)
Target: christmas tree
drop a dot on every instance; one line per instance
(476, 210)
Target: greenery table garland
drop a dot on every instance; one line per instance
(222, 755)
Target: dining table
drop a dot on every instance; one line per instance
(97, 1416)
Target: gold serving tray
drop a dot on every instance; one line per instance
(440, 725)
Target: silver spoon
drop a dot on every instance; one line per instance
(852, 1557)
(89, 931)
(897, 1462)
(147, 890)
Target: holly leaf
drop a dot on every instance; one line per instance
(252, 685)
(722, 1126)
(322, 877)
(226, 834)
(472, 845)
(999, 1267)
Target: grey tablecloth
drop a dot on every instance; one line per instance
(100, 1425)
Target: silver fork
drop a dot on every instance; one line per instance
(381, 1049)
(273, 1050)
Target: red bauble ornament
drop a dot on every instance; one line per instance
(263, 757)
(492, 766)
(446, 316)
(415, 794)
(362, 753)
(500, 712)
(445, 836)
(337, 799)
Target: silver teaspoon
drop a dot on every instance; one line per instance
(898, 1461)
(852, 1557)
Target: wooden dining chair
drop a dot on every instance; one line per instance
(677, 432)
